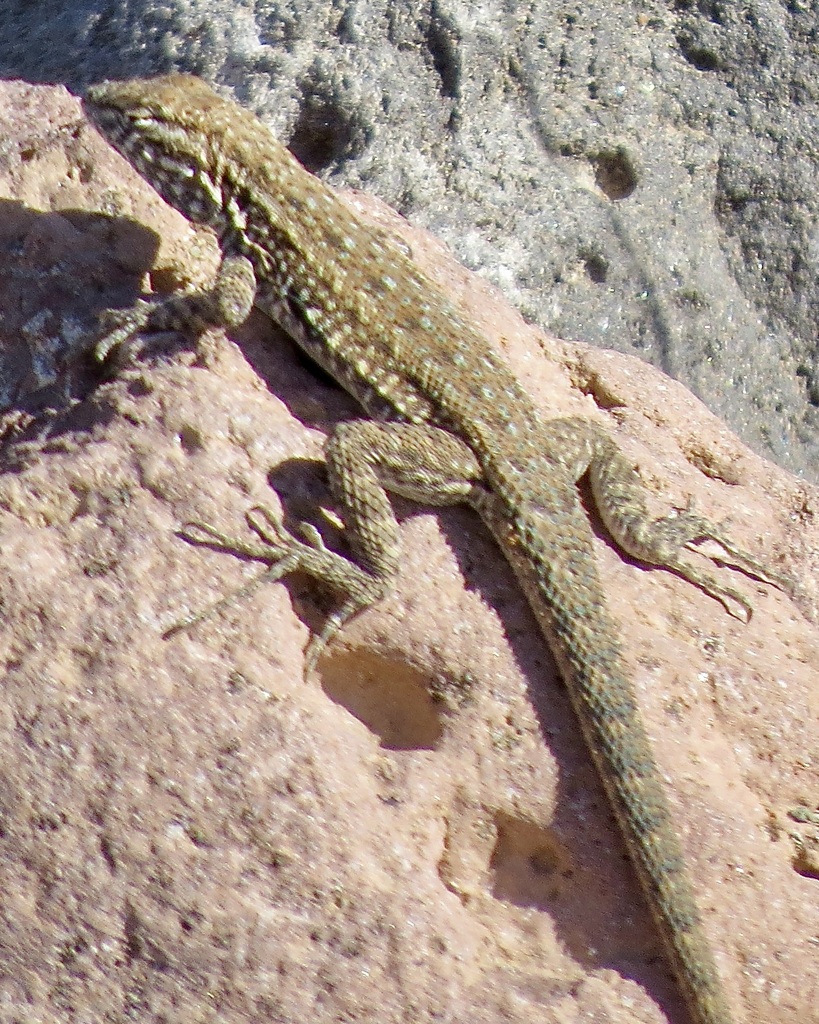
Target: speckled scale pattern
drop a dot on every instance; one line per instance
(455, 426)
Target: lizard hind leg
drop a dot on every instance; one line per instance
(664, 541)
(365, 459)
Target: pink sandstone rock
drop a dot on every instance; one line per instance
(190, 830)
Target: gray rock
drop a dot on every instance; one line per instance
(638, 176)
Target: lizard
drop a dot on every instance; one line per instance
(446, 423)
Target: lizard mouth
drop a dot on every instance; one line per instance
(115, 126)
(128, 133)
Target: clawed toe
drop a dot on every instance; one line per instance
(119, 331)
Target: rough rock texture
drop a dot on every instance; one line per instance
(191, 831)
(640, 175)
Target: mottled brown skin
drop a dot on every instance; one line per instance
(449, 423)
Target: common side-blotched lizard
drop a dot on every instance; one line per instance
(448, 424)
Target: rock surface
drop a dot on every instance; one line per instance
(640, 175)
(191, 831)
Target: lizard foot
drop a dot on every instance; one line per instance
(286, 554)
(687, 529)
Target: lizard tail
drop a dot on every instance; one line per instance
(560, 579)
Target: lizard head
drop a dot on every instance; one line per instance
(175, 130)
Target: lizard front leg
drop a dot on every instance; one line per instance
(227, 303)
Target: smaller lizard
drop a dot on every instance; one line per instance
(448, 424)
